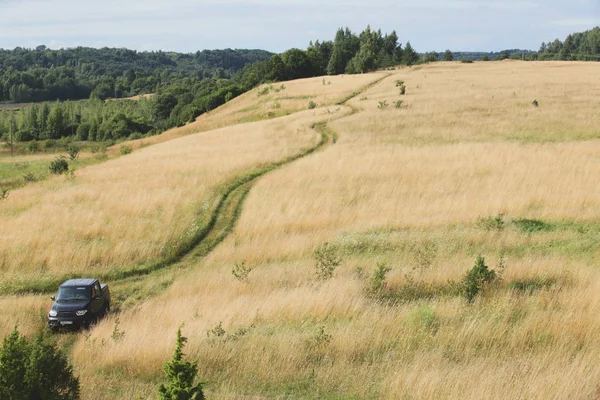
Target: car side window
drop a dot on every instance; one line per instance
(95, 291)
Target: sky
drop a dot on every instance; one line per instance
(277, 25)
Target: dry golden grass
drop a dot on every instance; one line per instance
(406, 187)
(126, 210)
(277, 102)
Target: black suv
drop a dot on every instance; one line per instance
(79, 302)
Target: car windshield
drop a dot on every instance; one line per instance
(73, 293)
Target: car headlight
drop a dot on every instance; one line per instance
(81, 313)
(52, 313)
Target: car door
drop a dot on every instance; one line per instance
(96, 304)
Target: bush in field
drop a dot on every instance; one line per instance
(59, 166)
(35, 370)
(73, 151)
(491, 223)
(181, 376)
(4, 193)
(312, 105)
(327, 260)
(240, 271)
(125, 150)
(383, 105)
(378, 283)
(399, 103)
(476, 279)
(402, 90)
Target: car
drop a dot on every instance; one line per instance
(79, 303)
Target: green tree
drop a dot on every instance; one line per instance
(409, 55)
(181, 376)
(35, 371)
(57, 122)
(276, 68)
(297, 64)
(49, 375)
(13, 367)
(448, 56)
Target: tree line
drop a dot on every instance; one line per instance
(41, 74)
(583, 46)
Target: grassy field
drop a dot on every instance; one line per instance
(465, 166)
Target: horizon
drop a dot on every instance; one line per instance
(186, 26)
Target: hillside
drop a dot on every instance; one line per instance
(406, 189)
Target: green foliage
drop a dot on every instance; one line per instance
(124, 150)
(485, 58)
(476, 279)
(32, 146)
(535, 103)
(29, 177)
(4, 192)
(448, 56)
(410, 56)
(327, 260)
(466, 61)
(402, 90)
(217, 331)
(398, 103)
(241, 272)
(73, 151)
(399, 83)
(583, 46)
(181, 376)
(35, 370)
(533, 225)
(312, 105)
(59, 166)
(491, 223)
(377, 283)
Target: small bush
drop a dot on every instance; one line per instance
(491, 223)
(124, 150)
(29, 177)
(476, 279)
(264, 91)
(383, 105)
(73, 151)
(241, 272)
(399, 83)
(4, 193)
(326, 261)
(399, 103)
(402, 90)
(217, 331)
(33, 146)
(181, 376)
(312, 105)
(378, 283)
(465, 61)
(98, 148)
(276, 105)
(485, 58)
(59, 166)
(535, 103)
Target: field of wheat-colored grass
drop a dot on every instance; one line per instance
(466, 166)
(418, 188)
(269, 101)
(127, 210)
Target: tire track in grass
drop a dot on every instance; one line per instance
(211, 228)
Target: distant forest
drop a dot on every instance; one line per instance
(188, 85)
(583, 46)
(41, 74)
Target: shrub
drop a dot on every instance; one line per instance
(485, 58)
(241, 272)
(59, 166)
(98, 148)
(465, 61)
(326, 261)
(535, 103)
(33, 146)
(399, 103)
(73, 151)
(181, 376)
(383, 105)
(4, 193)
(402, 90)
(264, 91)
(124, 150)
(378, 283)
(29, 177)
(276, 105)
(399, 83)
(312, 105)
(476, 279)
(35, 370)
(491, 223)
